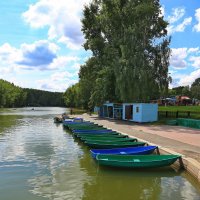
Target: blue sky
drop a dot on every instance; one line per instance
(41, 42)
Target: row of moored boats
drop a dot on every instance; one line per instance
(111, 148)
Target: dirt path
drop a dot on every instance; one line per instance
(180, 139)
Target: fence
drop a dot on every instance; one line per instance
(179, 114)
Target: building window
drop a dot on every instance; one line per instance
(137, 109)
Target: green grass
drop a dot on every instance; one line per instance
(183, 112)
(77, 111)
(179, 108)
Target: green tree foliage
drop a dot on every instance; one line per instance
(87, 74)
(186, 90)
(43, 98)
(181, 90)
(130, 47)
(196, 82)
(140, 54)
(72, 96)
(195, 89)
(13, 96)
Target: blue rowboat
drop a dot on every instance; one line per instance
(124, 151)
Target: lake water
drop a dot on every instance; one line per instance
(40, 160)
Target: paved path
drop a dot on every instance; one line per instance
(180, 139)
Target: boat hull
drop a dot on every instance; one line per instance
(124, 151)
(132, 161)
(96, 133)
(89, 135)
(108, 140)
(103, 145)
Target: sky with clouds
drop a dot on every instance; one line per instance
(41, 42)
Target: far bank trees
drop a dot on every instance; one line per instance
(14, 96)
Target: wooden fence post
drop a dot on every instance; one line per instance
(176, 114)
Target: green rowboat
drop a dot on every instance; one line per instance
(96, 134)
(110, 140)
(87, 128)
(108, 135)
(108, 145)
(133, 161)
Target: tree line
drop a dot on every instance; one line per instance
(14, 96)
(130, 54)
(192, 91)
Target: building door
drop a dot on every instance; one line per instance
(110, 111)
(128, 112)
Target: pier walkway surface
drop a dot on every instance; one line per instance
(183, 140)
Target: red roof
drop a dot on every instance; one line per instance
(185, 97)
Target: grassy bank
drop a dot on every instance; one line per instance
(77, 111)
(172, 112)
(180, 108)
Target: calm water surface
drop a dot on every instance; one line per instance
(40, 160)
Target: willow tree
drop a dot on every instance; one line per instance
(96, 76)
(130, 38)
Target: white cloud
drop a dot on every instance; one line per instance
(58, 81)
(41, 55)
(63, 20)
(71, 45)
(37, 55)
(181, 27)
(62, 61)
(196, 61)
(190, 78)
(8, 54)
(23, 66)
(178, 57)
(184, 58)
(193, 50)
(197, 16)
(76, 66)
(177, 13)
(174, 21)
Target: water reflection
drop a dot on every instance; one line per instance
(40, 160)
(6, 123)
(37, 111)
(58, 175)
(109, 183)
(62, 184)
